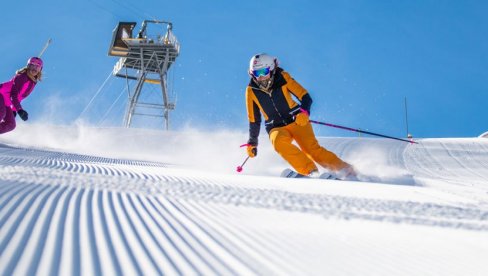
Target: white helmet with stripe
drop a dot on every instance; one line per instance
(261, 69)
(261, 61)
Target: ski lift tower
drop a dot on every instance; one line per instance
(145, 58)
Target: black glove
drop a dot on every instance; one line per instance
(23, 114)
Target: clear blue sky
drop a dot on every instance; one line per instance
(358, 59)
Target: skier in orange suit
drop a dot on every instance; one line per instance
(270, 94)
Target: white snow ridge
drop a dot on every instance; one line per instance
(81, 201)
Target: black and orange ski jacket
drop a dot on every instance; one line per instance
(276, 105)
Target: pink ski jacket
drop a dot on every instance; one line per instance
(16, 90)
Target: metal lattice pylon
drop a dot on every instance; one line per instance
(145, 58)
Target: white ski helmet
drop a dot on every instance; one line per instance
(262, 65)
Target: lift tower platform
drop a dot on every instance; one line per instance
(145, 58)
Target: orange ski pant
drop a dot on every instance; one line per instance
(302, 158)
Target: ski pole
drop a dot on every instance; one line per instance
(45, 47)
(362, 131)
(239, 168)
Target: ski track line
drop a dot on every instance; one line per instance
(454, 162)
(111, 233)
(90, 258)
(7, 193)
(235, 260)
(37, 242)
(10, 160)
(482, 144)
(177, 239)
(15, 201)
(255, 251)
(16, 215)
(69, 250)
(132, 240)
(50, 242)
(418, 159)
(396, 154)
(477, 155)
(173, 245)
(453, 153)
(145, 238)
(466, 161)
(147, 225)
(423, 159)
(208, 262)
(17, 240)
(273, 248)
(476, 159)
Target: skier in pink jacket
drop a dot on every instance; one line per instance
(16, 90)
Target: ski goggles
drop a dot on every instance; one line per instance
(261, 72)
(34, 67)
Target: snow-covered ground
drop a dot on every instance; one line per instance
(80, 200)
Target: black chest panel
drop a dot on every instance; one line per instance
(278, 110)
(275, 106)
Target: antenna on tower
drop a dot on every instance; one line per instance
(406, 120)
(145, 58)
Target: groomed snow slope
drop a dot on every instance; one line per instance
(116, 201)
